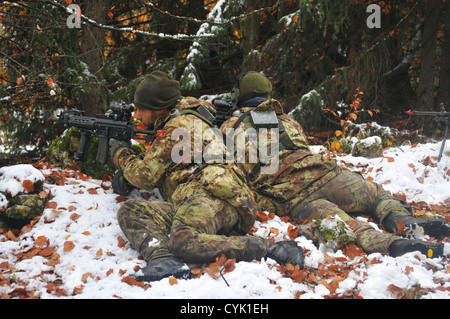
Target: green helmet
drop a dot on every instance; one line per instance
(249, 85)
(157, 91)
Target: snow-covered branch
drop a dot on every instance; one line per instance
(87, 20)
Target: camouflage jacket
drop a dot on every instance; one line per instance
(298, 171)
(158, 166)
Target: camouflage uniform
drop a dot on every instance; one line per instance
(306, 186)
(205, 203)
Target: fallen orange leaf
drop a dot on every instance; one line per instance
(262, 216)
(28, 186)
(75, 216)
(51, 205)
(85, 277)
(68, 246)
(40, 241)
(42, 194)
(92, 191)
(122, 242)
(274, 230)
(229, 265)
(173, 280)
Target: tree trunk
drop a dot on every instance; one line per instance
(426, 89)
(93, 100)
(250, 31)
(443, 94)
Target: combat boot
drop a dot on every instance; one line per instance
(403, 246)
(408, 225)
(160, 268)
(286, 252)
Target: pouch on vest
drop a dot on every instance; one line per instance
(264, 119)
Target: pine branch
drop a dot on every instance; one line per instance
(87, 20)
(227, 22)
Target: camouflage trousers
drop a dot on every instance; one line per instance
(203, 220)
(347, 195)
(147, 226)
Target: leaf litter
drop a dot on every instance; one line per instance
(76, 249)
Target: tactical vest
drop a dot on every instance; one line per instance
(268, 120)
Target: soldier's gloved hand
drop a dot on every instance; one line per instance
(120, 184)
(115, 146)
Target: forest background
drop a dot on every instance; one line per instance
(333, 62)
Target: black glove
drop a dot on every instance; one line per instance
(120, 184)
(286, 252)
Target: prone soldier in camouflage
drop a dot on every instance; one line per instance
(307, 186)
(204, 202)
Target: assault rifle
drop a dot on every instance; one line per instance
(114, 124)
(442, 116)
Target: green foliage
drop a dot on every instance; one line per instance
(308, 110)
(63, 149)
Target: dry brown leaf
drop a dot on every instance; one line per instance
(262, 216)
(75, 216)
(121, 241)
(293, 232)
(229, 265)
(28, 186)
(85, 277)
(197, 272)
(274, 231)
(42, 194)
(68, 246)
(220, 261)
(173, 280)
(394, 288)
(353, 251)
(47, 252)
(312, 278)
(78, 289)
(92, 191)
(40, 241)
(133, 282)
(328, 259)
(51, 205)
(120, 199)
(11, 236)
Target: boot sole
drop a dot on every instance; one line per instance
(436, 228)
(434, 252)
(429, 250)
(184, 274)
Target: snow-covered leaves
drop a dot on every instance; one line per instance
(77, 250)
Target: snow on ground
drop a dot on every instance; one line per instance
(77, 250)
